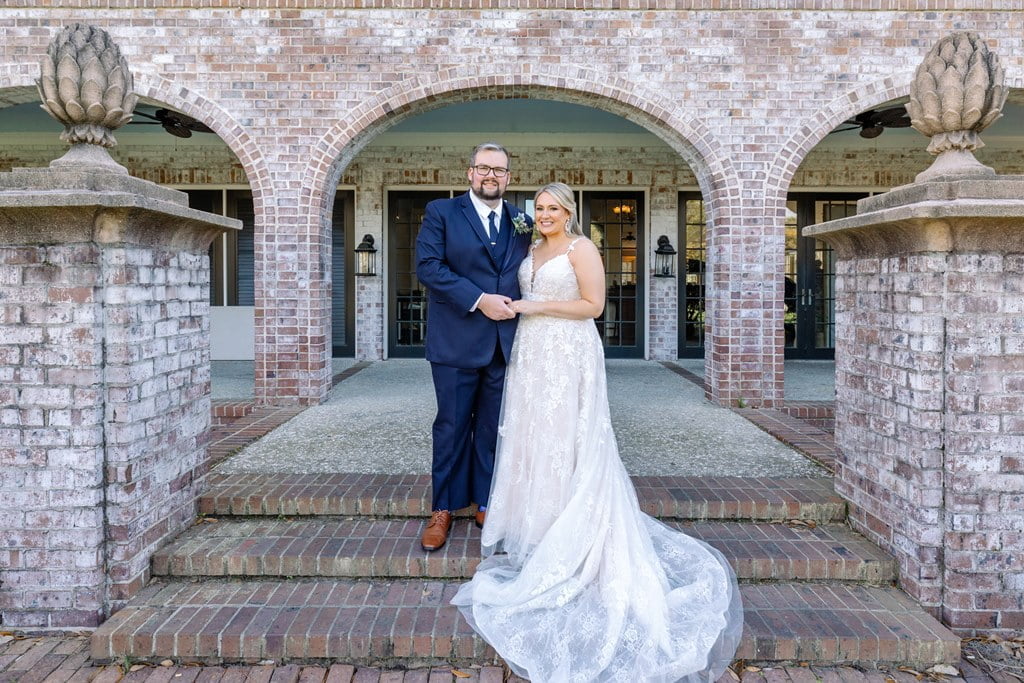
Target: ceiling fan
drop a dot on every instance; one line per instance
(873, 121)
(175, 123)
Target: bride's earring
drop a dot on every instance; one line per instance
(568, 230)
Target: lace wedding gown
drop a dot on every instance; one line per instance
(578, 584)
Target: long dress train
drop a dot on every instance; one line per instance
(577, 583)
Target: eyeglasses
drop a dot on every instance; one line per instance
(498, 171)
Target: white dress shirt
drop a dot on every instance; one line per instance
(484, 211)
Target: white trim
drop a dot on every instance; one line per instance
(647, 274)
(838, 189)
(224, 250)
(384, 265)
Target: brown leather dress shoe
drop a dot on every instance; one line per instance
(479, 518)
(436, 533)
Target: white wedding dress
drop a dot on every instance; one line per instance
(577, 583)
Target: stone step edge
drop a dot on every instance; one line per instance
(288, 548)
(411, 623)
(409, 496)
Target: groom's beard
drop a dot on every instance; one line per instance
(487, 191)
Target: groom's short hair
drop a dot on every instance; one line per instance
(489, 146)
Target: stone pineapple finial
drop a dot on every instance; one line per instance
(86, 85)
(957, 93)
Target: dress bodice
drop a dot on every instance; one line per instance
(554, 280)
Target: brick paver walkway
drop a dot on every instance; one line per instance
(65, 659)
(801, 425)
(800, 434)
(383, 495)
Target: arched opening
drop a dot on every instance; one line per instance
(871, 151)
(625, 180)
(170, 148)
(627, 166)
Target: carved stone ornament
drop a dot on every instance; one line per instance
(86, 85)
(957, 93)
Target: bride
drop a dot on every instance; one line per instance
(577, 584)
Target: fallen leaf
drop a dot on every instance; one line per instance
(809, 523)
(167, 662)
(751, 669)
(460, 674)
(943, 669)
(136, 667)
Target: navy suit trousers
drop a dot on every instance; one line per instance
(465, 431)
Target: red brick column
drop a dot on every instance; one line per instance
(930, 391)
(104, 387)
(743, 356)
(664, 317)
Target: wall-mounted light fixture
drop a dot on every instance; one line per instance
(366, 257)
(664, 258)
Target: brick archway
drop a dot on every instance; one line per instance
(810, 133)
(658, 114)
(17, 86)
(335, 150)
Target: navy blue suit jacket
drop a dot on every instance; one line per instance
(455, 262)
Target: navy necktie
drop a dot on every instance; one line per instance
(492, 229)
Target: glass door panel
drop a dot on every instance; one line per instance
(614, 221)
(407, 304)
(342, 290)
(692, 269)
(812, 292)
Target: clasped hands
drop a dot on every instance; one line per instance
(498, 307)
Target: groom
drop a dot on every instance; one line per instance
(468, 253)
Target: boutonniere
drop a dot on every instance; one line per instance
(519, 224)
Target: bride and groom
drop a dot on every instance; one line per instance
(577, 583)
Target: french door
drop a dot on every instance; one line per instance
(809, 320)
(809, 285)
(613, 220)
(407, 302)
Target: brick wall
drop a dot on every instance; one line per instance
(984, 401)
(929, 380)
(929, 373)
(741, 94)
(889, 404)
(105, 398)
(157, 402)
(104, 407)
(51, 416)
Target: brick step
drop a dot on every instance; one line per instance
(382, 495)
(340, 547)
(411, 623)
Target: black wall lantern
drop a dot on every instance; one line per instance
(664, 258)
(366, 259)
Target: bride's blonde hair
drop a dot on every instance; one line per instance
(563, 194)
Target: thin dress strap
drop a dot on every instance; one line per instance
(572, 245)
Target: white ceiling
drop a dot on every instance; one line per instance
(514, 119)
